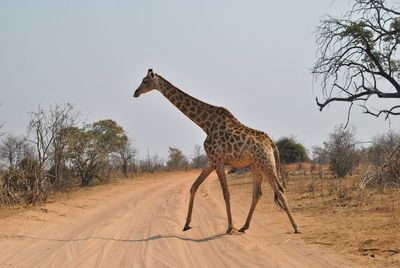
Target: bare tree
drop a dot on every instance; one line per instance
(383, 146)
(47, 133)
(13, 149)
(127, 155)
(62, 117)
(176, 159)
(199, 158)
(384, 155)
(358, 59)
(320, 155)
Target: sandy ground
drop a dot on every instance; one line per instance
(138, 223)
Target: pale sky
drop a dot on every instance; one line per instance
(252, 57)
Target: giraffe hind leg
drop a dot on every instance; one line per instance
(280, 195)
(285, 204)
(257, 180)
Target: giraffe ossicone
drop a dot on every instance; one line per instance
(228, 142)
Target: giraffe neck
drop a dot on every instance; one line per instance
(201, 113)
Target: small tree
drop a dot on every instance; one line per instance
(91, 147)
(341, 148)
(199, 158)
(291, 151)
(176, 159)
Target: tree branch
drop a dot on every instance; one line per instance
(356, 56)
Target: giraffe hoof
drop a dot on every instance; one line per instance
(231, 230)
(187, 227)
(242, 230)
(297, 232)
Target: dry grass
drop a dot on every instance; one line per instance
(363, 224)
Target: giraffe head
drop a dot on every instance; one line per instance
(150, 82)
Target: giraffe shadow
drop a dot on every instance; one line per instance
(146, 239)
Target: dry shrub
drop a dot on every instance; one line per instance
(384, 175)
(391, 170)
(19, 188)
(311, 187)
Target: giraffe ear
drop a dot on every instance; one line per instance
(150, 73)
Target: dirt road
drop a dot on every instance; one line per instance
(138, 223)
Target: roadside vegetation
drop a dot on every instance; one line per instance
(60, 153)
(346, 197)
(358, 221)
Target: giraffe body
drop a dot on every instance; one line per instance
(232, 143)
(228, 142)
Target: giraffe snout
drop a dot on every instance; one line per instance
(137, 93)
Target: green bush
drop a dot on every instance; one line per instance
(291, 151)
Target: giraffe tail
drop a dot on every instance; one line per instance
(277, 200)
(281, 187)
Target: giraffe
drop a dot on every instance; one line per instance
(228, 142)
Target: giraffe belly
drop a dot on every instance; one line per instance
(239, 164)
(239, 161)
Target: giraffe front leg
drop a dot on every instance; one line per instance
(225, 191)
(203, 175)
